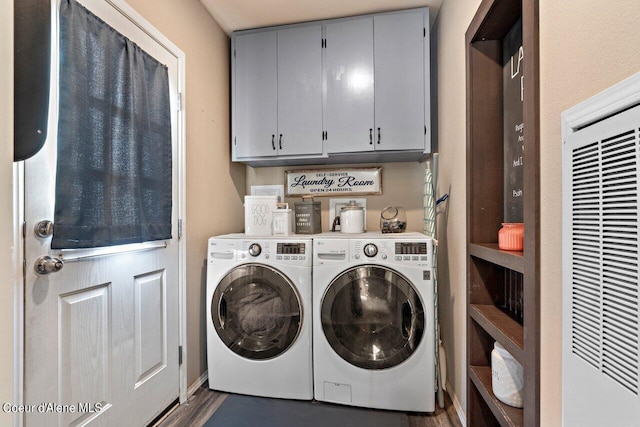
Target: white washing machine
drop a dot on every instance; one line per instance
(373, 321)
(259, 316)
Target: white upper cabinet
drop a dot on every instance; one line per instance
(399, 69)
(350, 89)
(345, 90)
(300, 91)
(375, 83)
(255, 98)
(278, 93)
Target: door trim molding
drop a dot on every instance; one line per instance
(18, 290)
(19, 215)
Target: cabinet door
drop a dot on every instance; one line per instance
(255, 95)
(300, 91)
(349, 76)
(399, 81)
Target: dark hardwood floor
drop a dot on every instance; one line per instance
(204, 402)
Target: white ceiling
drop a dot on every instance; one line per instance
(235, 15)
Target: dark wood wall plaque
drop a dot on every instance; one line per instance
(513, 95)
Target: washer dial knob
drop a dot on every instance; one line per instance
(370, 250)
(255, 249)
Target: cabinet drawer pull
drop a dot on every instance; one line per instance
(378, 135)
(280, 142)
(273, 141)
(371, 136)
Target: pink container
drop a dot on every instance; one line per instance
(511, 236)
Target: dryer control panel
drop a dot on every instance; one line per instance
(393, 251)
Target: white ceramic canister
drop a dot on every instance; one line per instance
(282, 220)
(507, 380)
(352, 218)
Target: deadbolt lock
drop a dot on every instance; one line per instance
(44, 229)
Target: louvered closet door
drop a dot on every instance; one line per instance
(601, 164)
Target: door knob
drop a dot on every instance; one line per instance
(46, 264)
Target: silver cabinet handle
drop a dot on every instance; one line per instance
(47, 265)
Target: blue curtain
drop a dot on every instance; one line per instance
(113, 179)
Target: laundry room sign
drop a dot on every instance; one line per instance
(334, 182)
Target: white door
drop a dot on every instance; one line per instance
(256, 91)
(300, 91)
(399, 80)
(349, 76)
(101, 334)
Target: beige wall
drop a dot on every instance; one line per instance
(586, 46)
(451, 25)
(6, 213)
(214, 185)
(402, 185)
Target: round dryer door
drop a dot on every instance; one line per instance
(256, 312)
(372, 317)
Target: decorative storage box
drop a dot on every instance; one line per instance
(308, 217)
(258, 214)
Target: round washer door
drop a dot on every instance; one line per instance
(256, 311)
(372, 317)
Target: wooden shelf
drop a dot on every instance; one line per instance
(513, 260)
(501, 113)
(501, 327)
(507, 416)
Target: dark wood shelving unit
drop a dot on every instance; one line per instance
(501, 327)
(505, 415)
(495, 312)
(513, 260)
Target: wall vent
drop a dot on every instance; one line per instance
(585, 295)
(601, 259)
(605, 271)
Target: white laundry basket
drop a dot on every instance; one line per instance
(507, 380)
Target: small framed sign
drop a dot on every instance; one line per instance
(334, 182)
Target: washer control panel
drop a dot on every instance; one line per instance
(260, 250)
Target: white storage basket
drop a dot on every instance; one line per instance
(507, 381)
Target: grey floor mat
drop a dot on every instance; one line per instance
(250, 411)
